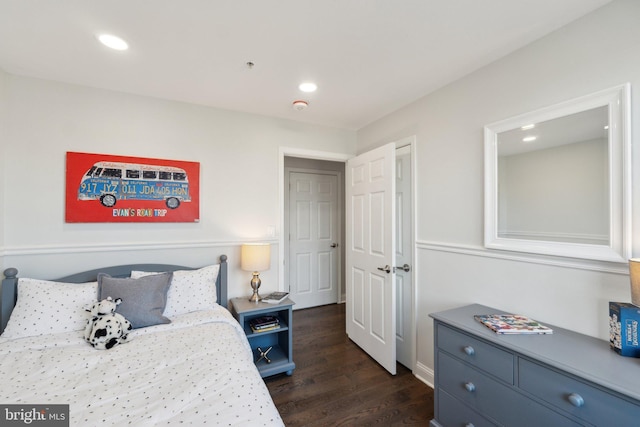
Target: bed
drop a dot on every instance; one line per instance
(195, 369)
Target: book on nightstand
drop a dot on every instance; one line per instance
(512, 324)
(264, 323)
(265, 329)
(275, 297)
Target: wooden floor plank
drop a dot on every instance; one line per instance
(335, 383)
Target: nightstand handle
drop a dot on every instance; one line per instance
(470, 351)
(470, 387)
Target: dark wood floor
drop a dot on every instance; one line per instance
(335, 383)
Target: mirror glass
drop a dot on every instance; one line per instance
(553, 179)
(556, 180)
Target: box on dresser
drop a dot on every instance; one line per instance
(623, 328)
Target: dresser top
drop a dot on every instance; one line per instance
(581, 355)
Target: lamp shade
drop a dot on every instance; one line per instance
(634, 274)
(255, 257)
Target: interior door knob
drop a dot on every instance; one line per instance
(386, 269)
(334, 245)
(405, 267)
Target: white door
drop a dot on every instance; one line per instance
(404, 258)
(313, 238)
(370, 254)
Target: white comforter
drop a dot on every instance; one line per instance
(197, 370)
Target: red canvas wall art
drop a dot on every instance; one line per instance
(110, 188)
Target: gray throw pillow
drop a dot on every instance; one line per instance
(143, 299)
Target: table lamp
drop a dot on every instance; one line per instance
(255, 257)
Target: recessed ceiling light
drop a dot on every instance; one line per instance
(113, 42)
(527, 127)
(308, 87)
(529, 138)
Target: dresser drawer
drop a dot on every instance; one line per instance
(453, 413)
(487, 357)
(493, 399)
(576, 397)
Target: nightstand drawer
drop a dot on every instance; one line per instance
(576, 397)
(493, 399)
(490, 359)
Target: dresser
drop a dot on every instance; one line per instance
(562, 379)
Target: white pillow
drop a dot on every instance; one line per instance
(45, 307)
(190, 290)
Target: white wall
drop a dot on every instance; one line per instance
(596, 52)
(239, 160)
(4, 141)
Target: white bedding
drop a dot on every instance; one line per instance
(196, 370)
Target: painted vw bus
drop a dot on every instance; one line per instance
(113, 181)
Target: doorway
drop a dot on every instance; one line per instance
(313, 231)
(404, 283)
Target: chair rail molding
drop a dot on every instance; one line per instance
(119, 247)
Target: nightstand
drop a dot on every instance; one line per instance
(277, 344)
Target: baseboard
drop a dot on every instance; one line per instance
(424, 374)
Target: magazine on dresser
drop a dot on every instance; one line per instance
(512, 324)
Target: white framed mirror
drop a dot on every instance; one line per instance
(558, 180)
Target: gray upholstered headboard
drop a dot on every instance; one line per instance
(9, 290)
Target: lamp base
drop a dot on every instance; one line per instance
(255, 297)
(255, 284)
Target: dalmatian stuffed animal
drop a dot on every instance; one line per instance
(106, 328)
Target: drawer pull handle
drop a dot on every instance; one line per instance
(576, 400)
(469, 425)
(470, 387)
(470, 351)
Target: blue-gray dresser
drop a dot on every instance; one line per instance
(562, 379)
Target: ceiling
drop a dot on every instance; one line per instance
(368, 57)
